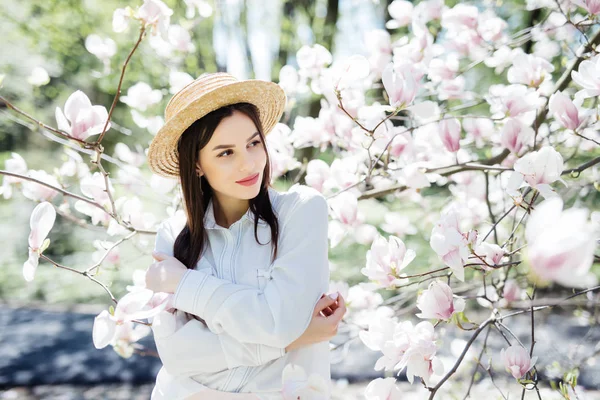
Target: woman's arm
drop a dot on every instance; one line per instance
(282, 311)
(213, 352)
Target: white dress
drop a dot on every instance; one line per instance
(253, 308)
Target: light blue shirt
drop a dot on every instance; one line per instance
(253, 308)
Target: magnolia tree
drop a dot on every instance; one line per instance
(409, 121)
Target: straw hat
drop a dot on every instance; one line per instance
(205, 94)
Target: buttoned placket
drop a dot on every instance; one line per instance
(232, 235)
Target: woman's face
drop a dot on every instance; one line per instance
(234, 152)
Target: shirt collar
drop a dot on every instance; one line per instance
(211, 223)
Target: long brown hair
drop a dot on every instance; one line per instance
(197, 192)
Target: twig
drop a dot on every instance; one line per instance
(118, 93)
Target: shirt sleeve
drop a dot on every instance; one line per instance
(282, 311)
(213, 352)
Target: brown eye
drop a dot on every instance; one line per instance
(223, 153)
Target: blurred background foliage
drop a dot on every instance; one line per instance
(52, 34)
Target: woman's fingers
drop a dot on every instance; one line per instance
(339, 312)
(323, 305)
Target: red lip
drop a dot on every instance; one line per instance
(249, 178)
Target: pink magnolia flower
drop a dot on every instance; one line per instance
(515, 135)
(491, 252)
(135, 305)
(386, 259)
(588, 77)
(41, 221)
(450, 243)
(156, 14)
(538, 169)
(344, 207)
(141, 96)
(512, 100)
(449, 130)
(401, 12)
(103, 48)
(479, 129)
(401, 87)
(564, 111)
(94, 186)
(529, 70)
(281, 151)
(297, 385)
(17, 165)
(381, 388)
(591, 6)
(460, 16)
(517, 361)
(419, 358)
(511, 291)
(438, 302)
(36, 192)
(312, 60)
(561, 244)
(181, 39)
(81, 119)
(317, 172)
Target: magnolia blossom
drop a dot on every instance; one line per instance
(420, 356)
(94, 186)
(140, 96)
(479, 129)
(383, 389)
(438, 302)
(449, 130)
(450, 243)
(181, 39)
(386, 259)
(515, 135)
(138, 304)
(591, 6)
(538, 169)
(512, 101)
(156, 14)
(401, 12)
(36, 192)
(401, 87)
(588, 77)
(317, 172)
(17, 165)
(561, 244)
(311, 60)
(529, 70)
(564, 111)
(41, 221)
(281, 151)
(460, 16)
(491, 252)
(81, 119)
(102, 246)
(344, 208)
(178, 80)
(398, 224)
(517, 361)
(124, 153)
(296, 385)
(511, 290)
(103, 48)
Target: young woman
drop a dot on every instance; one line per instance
(247, 265)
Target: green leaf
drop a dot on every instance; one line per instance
(45, 245)
(111, 310)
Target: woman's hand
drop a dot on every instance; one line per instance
(165, 273)
(323, 326)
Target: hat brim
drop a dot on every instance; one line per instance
(268, 97)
